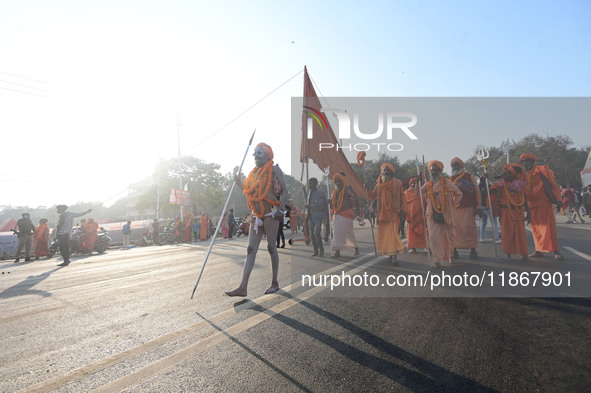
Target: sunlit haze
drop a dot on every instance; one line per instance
(92, 94)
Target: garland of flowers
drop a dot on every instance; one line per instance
(515, 207)
(458, 178)
(337, 203)
(386, 189)
(438, 209)
(257, 186)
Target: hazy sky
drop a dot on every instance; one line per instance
(92, 93)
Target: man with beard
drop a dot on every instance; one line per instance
(442, 198)
(344, 204)
(542, 193)
(512, 203)
(391, 207)
(466, 233)
(264, 188)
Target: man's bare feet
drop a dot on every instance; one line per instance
(337, 254)
(272, 289)
(356, 251)
(237, 292)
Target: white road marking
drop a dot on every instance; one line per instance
(579, 253)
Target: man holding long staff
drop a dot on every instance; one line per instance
(266, 194)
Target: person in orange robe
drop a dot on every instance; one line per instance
(41, 239)
(542, 192)
(188, 228)
(343, 202)
(391, 208)
(203, 230)
(90, 234)
(444, 194)
(511, 201)
(414, 217)
(466, 233)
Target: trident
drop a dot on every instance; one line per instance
(482, 156)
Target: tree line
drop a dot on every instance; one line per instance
(208, 187)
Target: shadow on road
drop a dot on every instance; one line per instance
(24, 287)
(429, 377)
(256, 355)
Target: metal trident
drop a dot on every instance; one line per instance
(482, 155)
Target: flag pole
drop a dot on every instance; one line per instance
(222, 215)
(361, 163)
(423, 208)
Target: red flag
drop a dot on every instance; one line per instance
(322, 133)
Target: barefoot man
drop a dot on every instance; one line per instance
(266, 194)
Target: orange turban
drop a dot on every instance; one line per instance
(339, 177)
(527, 155)
(267, 149)
(435, 162)
(511, 167)
(388, 165)
(456, 160)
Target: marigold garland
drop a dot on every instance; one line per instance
(386, 189)
(257, 186)
(438, 209)
(459, 177)
(337, 202)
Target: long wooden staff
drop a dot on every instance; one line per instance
(361, 163)
(482, 156)
(222, 215)
(419, 177)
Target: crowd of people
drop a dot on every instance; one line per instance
(440, 216)
(445, 215)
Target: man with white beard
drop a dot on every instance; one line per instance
(442, 197)
(466, 233)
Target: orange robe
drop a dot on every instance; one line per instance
(466, 232)
(203, 230)
(41, 238)
(441, 236)
(513, 236)
(543, 220)
(414, 217)
(90, 235)
(391, 201)
(187, 235)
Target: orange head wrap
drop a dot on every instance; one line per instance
(267, 149)
(511, 167)
(385, 165)
(339, 177)
(456, 160)
(388, 165)
(435, 162)
(527, 155)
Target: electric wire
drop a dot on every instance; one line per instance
(244, 112)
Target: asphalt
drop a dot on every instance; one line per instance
(124, 321)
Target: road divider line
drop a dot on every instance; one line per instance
(100, 365)
(579, 253)
(151, 370)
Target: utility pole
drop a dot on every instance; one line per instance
(178, 134)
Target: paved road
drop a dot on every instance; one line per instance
(124, 321)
